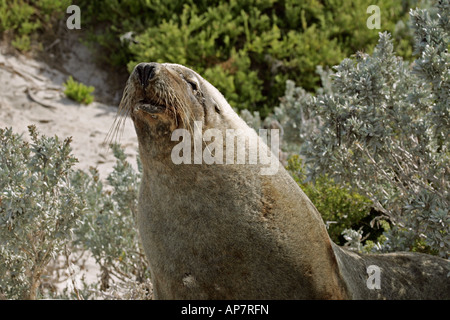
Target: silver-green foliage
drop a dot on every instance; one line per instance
(109, 230)
(382, 125)
(47, 210)
(38, 209)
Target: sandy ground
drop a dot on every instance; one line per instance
(31, 92)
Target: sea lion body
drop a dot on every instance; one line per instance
(402, 275)
(226, 231)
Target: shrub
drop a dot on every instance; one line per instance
(108, 229)
(78, 91)
(47, 210)
(38, 209)
(22, 43)
(247, 49)
(381, 126)
(340, 207)
(24, 19)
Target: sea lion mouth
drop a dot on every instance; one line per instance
(150, 106)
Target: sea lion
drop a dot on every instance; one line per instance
(227, 231)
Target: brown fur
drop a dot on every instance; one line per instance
(228, 232)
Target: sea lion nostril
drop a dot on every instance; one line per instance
(149, 72)
(145, 72)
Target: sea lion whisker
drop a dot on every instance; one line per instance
(177, 112)
(185, 115)
(119, 120)
(174, 110)
(121, 126)
(112, 131)
(113, 134)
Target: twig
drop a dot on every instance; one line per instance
(54, 43)
(28, 77)
(33, 97)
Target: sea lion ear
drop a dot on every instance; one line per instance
(191, 79)
(194, 84)
(216, 106)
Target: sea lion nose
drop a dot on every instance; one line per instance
(145, 72)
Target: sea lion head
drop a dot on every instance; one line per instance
(162, 97)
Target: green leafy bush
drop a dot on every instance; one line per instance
(247, 49)
(78, 91)
(24, 19)
(341, 207)
(22, 43)
(38, 209)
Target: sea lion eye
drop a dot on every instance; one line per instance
(193, 85)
